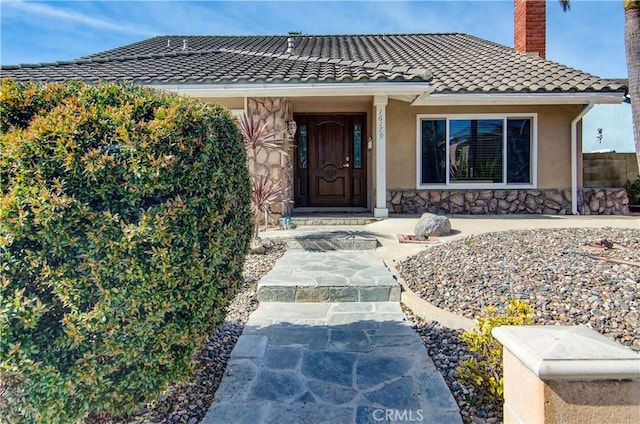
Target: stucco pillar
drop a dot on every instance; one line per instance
(563, 374)
(380, 210)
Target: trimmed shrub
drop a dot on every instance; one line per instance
(124, 223)
(483, 370)
(633, 190)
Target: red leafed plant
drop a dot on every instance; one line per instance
(256, 136)
(264, 190)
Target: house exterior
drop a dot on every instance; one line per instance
(391, 123)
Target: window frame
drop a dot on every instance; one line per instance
(479, 185)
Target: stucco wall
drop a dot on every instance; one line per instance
(592, 402)
(554, 140)
(228, 102)
(345, 104)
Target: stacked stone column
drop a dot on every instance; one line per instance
(275, 113)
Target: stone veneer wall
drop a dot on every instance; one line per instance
(275, 113)
(591, 201)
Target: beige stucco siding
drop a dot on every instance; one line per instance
(401, 150)
(554, 140)
(228, 102)
(331, 104)
(554, 145)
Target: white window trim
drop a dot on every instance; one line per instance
(478, 186)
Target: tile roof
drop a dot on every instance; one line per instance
(450, 63)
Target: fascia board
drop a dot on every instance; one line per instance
(297, 90)
(517, 99)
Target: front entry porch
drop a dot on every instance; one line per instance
(330, 168)
(333, 156)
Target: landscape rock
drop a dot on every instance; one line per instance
(432, 225)
(257, 247)
(558, 271)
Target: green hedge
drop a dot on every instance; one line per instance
(124, 225)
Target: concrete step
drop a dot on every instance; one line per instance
(339, 240)
(329, 276)
(316, 220)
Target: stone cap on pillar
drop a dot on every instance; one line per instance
(569, 353)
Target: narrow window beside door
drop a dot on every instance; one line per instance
(357, 146)
(302, 147)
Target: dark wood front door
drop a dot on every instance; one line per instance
(330, 165)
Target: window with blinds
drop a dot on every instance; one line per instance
(492, 151)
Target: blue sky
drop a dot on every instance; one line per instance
(590, 37)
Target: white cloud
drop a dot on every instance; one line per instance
(48, 11)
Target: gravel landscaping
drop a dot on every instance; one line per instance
(555, 270)
(189, 402)
(563, 273)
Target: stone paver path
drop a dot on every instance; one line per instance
(354, 362)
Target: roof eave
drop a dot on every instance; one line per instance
(422, 91)
(297, 90)
(459, 99)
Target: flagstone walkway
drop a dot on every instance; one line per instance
(330, 362)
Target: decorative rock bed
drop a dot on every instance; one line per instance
(561, 272)
(558, 271)
(591, 201)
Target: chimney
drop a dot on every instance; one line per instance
(530, 27)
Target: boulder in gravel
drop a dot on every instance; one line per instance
(257, 247)
(431, 225)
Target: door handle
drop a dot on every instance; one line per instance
(346, 165)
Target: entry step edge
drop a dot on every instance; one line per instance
(329, 294)
(312, 220)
